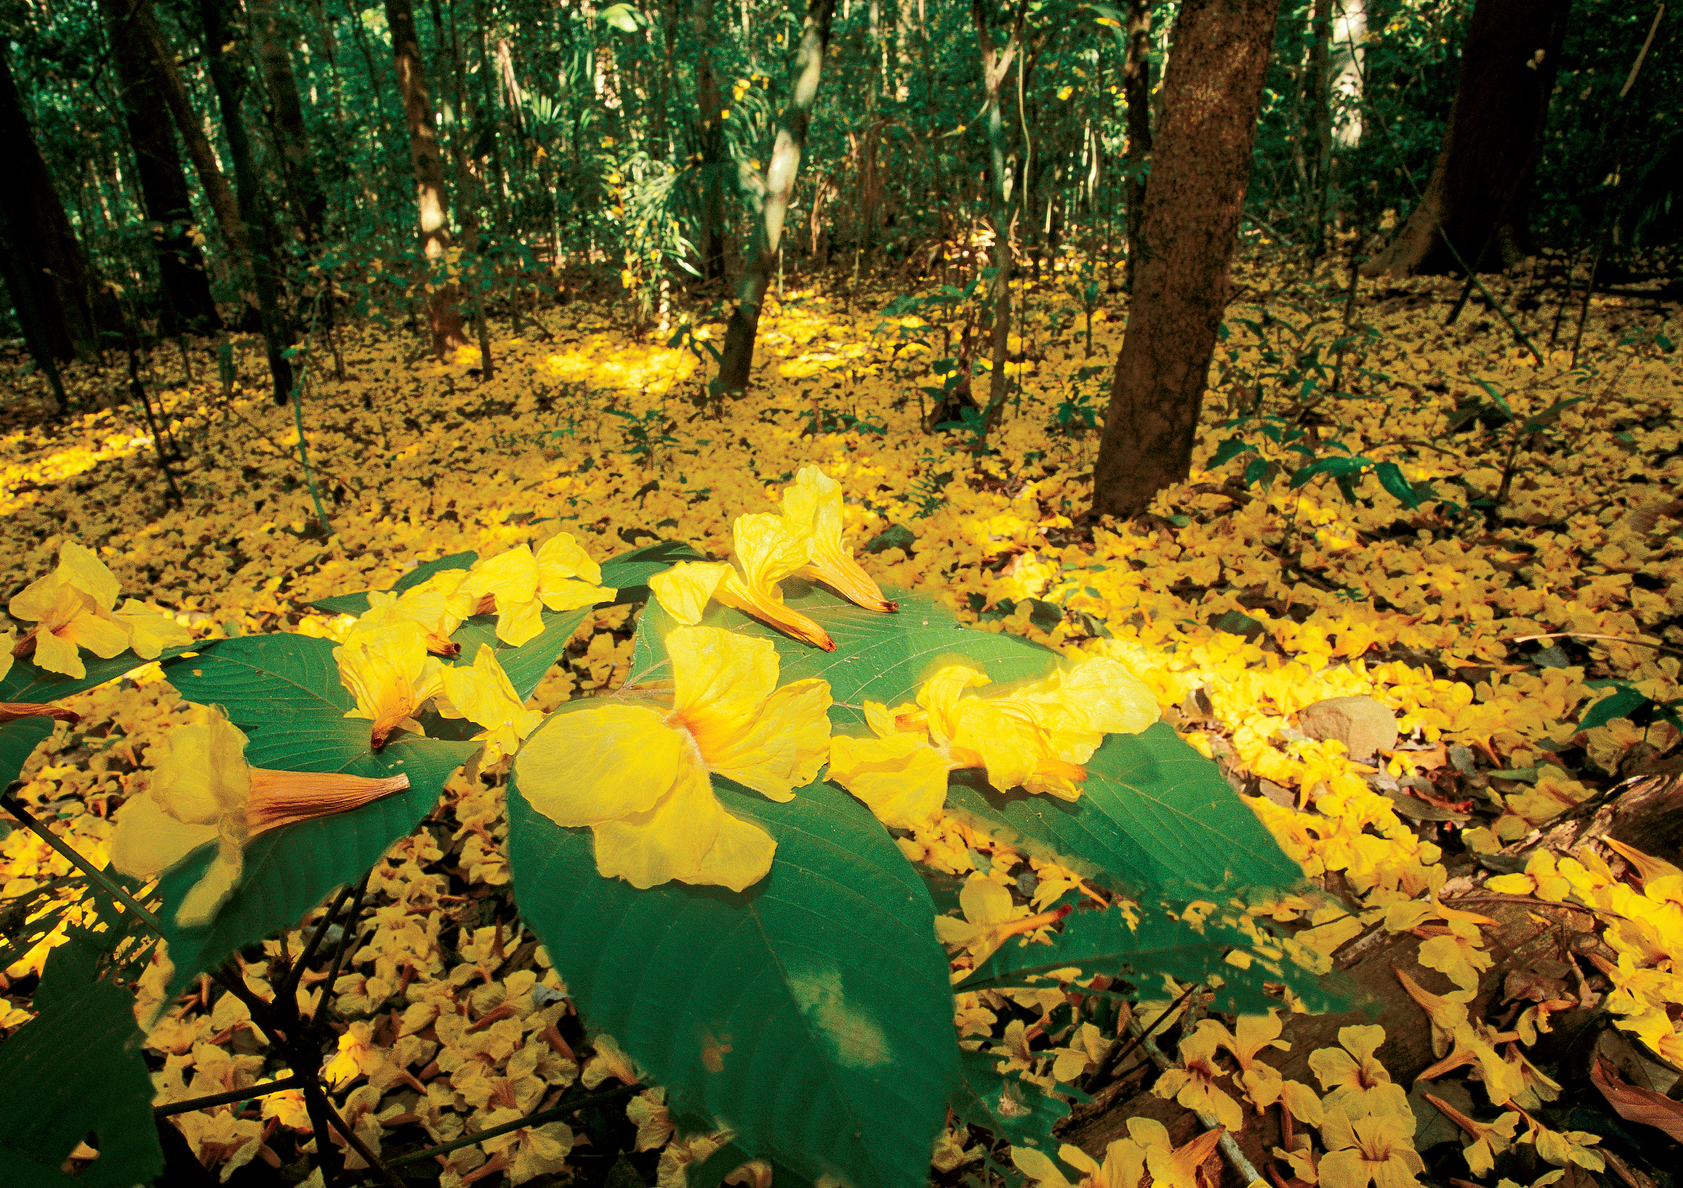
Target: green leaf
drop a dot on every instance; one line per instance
(1101, 942)
(1230, 449)
(622, 17)
(524, 666)
(75, 1073)
(18, 740)
(1010, 1107)
(1154, 817)
(1393, 480)
(25, 682)
(1621, 704)
(825, 975)
(263, 679)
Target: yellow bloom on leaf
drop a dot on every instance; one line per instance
(1034, 735)
(812, 507)
(484, 695)
(203, 790)
(636, 770)
(390, 674)
(766, 552)
(518, 584)
(435, 604)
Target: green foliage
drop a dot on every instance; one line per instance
(827, 971)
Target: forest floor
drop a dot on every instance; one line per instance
(1540, 573)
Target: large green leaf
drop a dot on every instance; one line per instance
(811, 1014)
(18, 740)
(264, 679)
(1154, 816)
(25, 682)
(1104, 942)
(75, 1073)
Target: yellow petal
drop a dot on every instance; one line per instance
(150, 631)
(201, 776)
(102, 636)
(719, 681)
(484, 695)
(80, 567)
(939, 695)
(669, 841)
(508, 577)
(812, 506)
(38, 600)
(767, 605)
(685, 590)
(572, 594)
(600, 762)
(783, 746)
(389, 674)
(561, 557)
(901, 779)
(740, 856)
(148, 841)
(200, 904)
(58, 655)
(766, 549)
(519, 622)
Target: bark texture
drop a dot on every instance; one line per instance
(287, 112)
(1136, 94)
(1475, 202)
(442, 313)
(1201, 164)
(736, 359)
(45, 269)
(164, 195)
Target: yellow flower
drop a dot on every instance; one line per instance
(637, 771)
(1357, 1083)
(518, 584)
(812, 508)
(484, 695)
(149, 631)
(1194, 1086)
(71, 608)
(390, 674)
(1033, 735)
(1377, 1148)
(202, 790)
(434, 604)
(530, 1151)
(766, 551)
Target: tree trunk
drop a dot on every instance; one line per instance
(227, 77)
(710, 126)
(49, 273)
(1320, 120)
(996, 64)
(287, 111)
(1212, 92)
(1136, 94)
(442, 312)
(216, 188)
(777, 187)
(164, 196)
(1473, 211)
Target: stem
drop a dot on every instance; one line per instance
(98, 877)
(1229, 1148)
(304, 453)
(289, 986)
(361, 1148)
(1118, 1053)
(233, 1095)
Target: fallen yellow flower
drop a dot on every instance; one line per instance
(1034, 735)
(390, 674)
(812, 508)
(72, 608)
(203, 790)
(636, 770)
(518, 584)
(766, 552)
(483, 695)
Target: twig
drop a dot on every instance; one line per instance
(304, 451)
(1118, 1053)
(289, 986)
(1636, 643)
(232, 1095)
(1247, 1171)
(98, 877)
(362, 1149)
(538, 1119)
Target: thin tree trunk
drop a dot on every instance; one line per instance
(710, 107)
(996, 64)
(1212, 92)
(777, 187)
(216, 188)
(303, 187)
(1320, 120)
(1136, 95)
(227, 76)
(1473, 210)
(164, 196)
(442, 313)
(48, 272)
